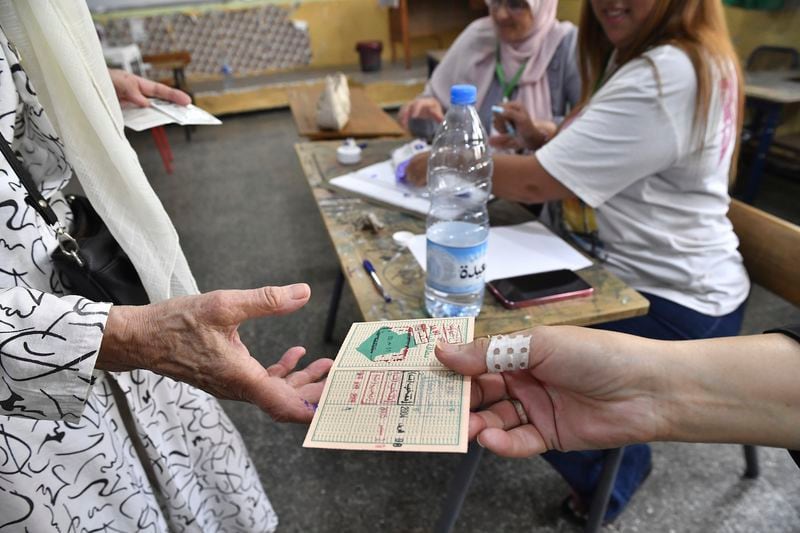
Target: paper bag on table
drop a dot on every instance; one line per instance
(333, 106)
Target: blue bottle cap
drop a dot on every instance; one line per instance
(463, 94)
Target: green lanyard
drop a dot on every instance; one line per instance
(507, 87)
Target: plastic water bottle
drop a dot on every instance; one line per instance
(227, 75)
(459, 185)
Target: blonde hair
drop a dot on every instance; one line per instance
(697, 27)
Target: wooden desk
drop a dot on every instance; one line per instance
(366, 118)
(404, 279)
(176, 62)
(767, 92)
(429, 18)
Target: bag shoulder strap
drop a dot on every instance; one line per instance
(66, 242)
(34, 198)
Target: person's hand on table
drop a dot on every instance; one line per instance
(425, 107)
(530, 134)
(195, 339)
(417, 170)
(136, 90)
(583, 389)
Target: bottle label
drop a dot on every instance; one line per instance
(454, 269)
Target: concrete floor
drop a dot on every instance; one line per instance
(246, 218)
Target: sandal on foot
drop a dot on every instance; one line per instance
(577, 512)
(574, 511)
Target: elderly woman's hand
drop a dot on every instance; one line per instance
(425, 107)
(136, 90)
(195, 339)
(583, 389)
(530, 134)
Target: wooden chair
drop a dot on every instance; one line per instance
(769, 247)
(130, 59)
(174, 61)
(177, 62)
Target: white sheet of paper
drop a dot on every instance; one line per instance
(185, 114)
(378, 183)
(144, 118)
(161, 112)
(526, 248)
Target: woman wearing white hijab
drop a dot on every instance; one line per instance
(94, 435)
(520, 53)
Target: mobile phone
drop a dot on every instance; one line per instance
(544, 287)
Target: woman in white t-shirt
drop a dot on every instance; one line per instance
(649, 149)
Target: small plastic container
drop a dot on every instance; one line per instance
(369, 54)
(348, 153)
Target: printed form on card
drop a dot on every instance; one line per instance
(387, 391)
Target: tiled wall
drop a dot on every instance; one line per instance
(250, 40)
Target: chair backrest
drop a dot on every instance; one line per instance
(770, 247)
(127, 57)
(773, 58)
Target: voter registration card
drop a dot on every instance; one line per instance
(387, 391)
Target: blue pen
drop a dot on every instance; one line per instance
(376, 280)
(498, 110)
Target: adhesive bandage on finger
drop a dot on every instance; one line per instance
(507, 353)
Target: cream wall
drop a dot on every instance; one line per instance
(748, 28)
(335, 26)
(569, 10)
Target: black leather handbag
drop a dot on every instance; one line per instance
(88, 260)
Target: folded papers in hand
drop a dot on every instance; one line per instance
(161, 112)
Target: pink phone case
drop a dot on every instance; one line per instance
(542, 300)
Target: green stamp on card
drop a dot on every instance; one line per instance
(386, 342)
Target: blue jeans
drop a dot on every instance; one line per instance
(665, 321)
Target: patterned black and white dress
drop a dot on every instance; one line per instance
(67, 462)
